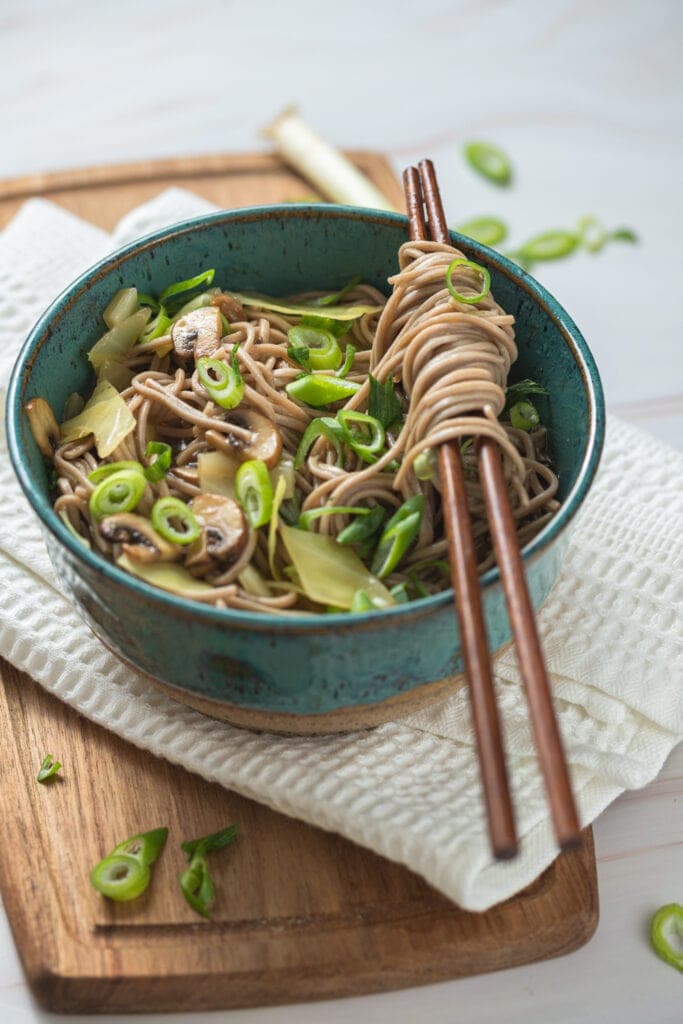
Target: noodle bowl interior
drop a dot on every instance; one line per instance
(279, 454)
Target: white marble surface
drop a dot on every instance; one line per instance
(587, 98)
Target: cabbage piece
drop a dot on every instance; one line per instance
(330, 573)
(117, 374)
(217, 473)
(300, 309)
(105, 415)
(166, 575)
(117, 343)
(123, 305)
(252, 581)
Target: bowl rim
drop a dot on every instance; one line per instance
(301, 621)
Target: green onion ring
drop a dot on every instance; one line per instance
(120, 492)
(167, 509)
(254, 492)
(470, 300)
(161, 454)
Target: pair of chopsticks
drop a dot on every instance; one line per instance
(422, 196)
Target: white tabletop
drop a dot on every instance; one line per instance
(587, 99)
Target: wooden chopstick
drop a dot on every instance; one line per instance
(520, 610)
(467, 594)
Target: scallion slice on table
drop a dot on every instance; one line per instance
(174, 521)
(624, 235)
(254, 492)
(549, 245)
(48, 768)
(125, 873)
(119, 492)
(222, 381)
(470, 265)
(196, 883)
(666, 934)
(487, 230)
(490, 161)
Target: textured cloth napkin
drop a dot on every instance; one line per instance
(409, 789)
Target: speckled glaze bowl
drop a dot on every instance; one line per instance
(302, 673)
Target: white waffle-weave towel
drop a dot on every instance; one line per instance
(410, 789)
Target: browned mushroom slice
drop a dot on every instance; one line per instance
(229, 307)
(264, 442)
(138, 538)
(199, 333)
(224, 540)
(43, 424)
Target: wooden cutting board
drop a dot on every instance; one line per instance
(301, 914)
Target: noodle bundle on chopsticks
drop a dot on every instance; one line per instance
(279, 455)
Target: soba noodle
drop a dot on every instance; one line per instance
(449, 362)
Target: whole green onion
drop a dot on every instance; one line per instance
(364, 434)
(550, 245)
(161, 455)
(313, 348)
(487, 230)
(306, 518)
(364, 527)
(489, 161)
(255, 491)
(174, 521)
(485, 279)
(398, 535)
(320, 390)
(524, 416)
(322, 426)
(119, 492)
(222, 382)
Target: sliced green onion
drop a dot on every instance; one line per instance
(306, 518)
(174, 521)
(485, 281)
(222, 382)
(120, 492)
(624, 235)
(326, 323)
(364, 434)
(48, 768)
(107, 468)
(418, 585)
(666, 934)
(196, 883)
(289, 308)
(364, 527)
(322, 426)
(196, 302)
(383, 403)
(400, 593)
(398, 535)
(487, 230)
(550, 245)
(337, 297)
(145, 846)
(161, 455)
(346, 366)
(489, 161)
(425, 465)
(313, 348)
(254, 491)
(524, 416)
(592, 234)
(120, 878)
(160, 325)
(144, 299)
(362, 602)
(185, 286)
(125, 873)
(320, 390)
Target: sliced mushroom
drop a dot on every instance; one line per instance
(229, 307)
(224, 540)
(44, 426)
(199, 333)
(138, 538)
(264, 442)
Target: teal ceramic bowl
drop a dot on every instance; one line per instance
(304, 673)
